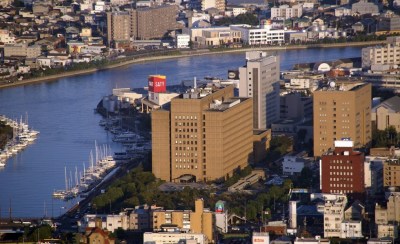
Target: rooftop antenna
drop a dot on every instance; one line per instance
(194, 83)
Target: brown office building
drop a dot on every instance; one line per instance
(205, 135)
(150, 23)
(118, 26)
(141, 23)
(342, 170)
(391, 173)
(342, 111)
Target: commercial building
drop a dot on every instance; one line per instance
(259, 79)
(391, 173)
(146, 25)
(118, 26)
(334, 215)
(386, 114)
(342, 111)
(206, 134)
(217, 37)
(342, 170)
(287, 12)
(122, 26)
(259, 35)
(382, 54)
(199, 221)
(158, 94)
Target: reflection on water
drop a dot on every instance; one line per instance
(63, 113)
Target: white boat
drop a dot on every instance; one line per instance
(2, 164)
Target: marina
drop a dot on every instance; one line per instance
(23, 136)
(84, 182)
(63, 113)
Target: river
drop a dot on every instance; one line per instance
(62, 111)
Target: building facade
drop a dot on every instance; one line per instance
(382, 54)
(391, 173)
(146, 25)
(287, 12)
(259, 79)
(342, 111)
(342, 170)
(118, 26)
(141, 23)
(334, 215)
(206, 135)
(387, 114)
(260, 35)
(199, 221)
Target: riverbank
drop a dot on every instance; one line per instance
(183, 54)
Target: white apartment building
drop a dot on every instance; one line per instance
(287, 12)
(292, 165)
(182, 40)
(334, 216)
(382, 54)
(110, 222)
(260, 35)
(351, 229)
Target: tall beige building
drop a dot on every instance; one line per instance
(198, 221)
(259, 79)
(342, 111)
(118, 26)
(206, 135)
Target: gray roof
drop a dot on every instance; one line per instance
(392, 104)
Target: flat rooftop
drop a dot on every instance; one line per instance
(225, 105)
(341, 86)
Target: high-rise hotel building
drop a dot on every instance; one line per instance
(342, 111)
(206, 134)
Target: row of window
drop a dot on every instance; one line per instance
(187, 117)
(186, 166)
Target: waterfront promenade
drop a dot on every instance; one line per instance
(183, 54)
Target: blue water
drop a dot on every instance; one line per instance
(62, 111)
